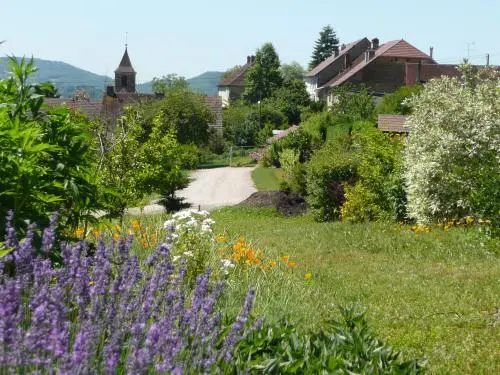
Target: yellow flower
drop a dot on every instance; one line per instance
(220, 239)
(116, 236)
(136, 224)
(91, 283)
(308, 276)
(79, 232)
(292, 264)
(118, 228)
(272, 263)
(284, 258)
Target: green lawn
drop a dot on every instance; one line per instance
(432, 294)
(266, 178)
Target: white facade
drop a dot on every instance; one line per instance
(224, 93)
(311, 87)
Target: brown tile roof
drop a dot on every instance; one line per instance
(237, 78)
(91, 108)
(322, 65)
(395, 48)
(392, 123)
(214, 103)
(125, 65)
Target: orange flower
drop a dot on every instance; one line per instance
(257, 261)
(292, 264)
(284, 258)
(272, 263)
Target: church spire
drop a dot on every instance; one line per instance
(125, 74)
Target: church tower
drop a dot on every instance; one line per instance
(125, 75)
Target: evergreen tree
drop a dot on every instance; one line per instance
(264, 77)
(324, 46)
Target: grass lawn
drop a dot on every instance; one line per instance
(431, 294)
(266, 178)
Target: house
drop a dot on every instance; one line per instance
(382, 68)
(124, 94)
(232, 86)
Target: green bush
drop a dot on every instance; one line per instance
(317, 125)
(395, 102)
(46, 161)
(293, 172)
(329, 169)
(360, 204)
(345, 347)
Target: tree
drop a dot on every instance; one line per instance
(290, 99)
(352, 103)
(170, 82)
(452, 159)
(264, 76)
(292, 71)
(228, 73)
(395, 103)
(324, 46)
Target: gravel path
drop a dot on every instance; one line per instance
(212, 188)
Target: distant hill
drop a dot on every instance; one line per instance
(205, 83)
(66, 77)
(69, 79)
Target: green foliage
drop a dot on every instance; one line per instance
(317, 126)
(292, 71)
(266, 178)
(293, 172)
(169, 83)
(380, 170)
(264, 76)
(142, 161)
(360, 204)
(251, 125)
(452, 166)
(395, 103)
(348, 346)
(330, 168)
(290, 99)
(45, 160)
(298, 141)
(352, 103)
(181, 111)
(324, 46)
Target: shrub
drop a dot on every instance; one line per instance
(316, 125)
(351, 103)
(380, 159)
(452, 163)
(360, 204)
(46, 161)
(293, 171)
(106, 313)
(396, 103)
(348, 346)
(328, 171)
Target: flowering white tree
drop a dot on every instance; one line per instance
(452, 158)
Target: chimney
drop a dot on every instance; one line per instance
(369, 54)
(110, 91)
(248, 59)
(431, 51)
(252, 59)
(375, 43)
(342, 47)
(335, 51)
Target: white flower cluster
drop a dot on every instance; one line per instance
(452, 158)
(190, 219)
(226, 266)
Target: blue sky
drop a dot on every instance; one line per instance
(190, 37)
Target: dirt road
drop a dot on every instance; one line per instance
(212, 188)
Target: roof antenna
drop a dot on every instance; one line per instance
(126, 39)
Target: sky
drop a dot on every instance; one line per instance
(190, 37)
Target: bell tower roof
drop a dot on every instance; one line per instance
(125, 65)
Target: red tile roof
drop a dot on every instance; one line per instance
(91, 108)
(214, 103)
(392, 123)
(237, 78)
(322, 65)
(395, 48)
